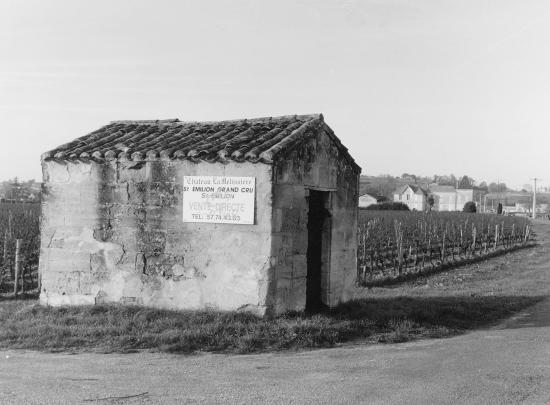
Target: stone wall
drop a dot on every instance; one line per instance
(317, 164)
(114, 233)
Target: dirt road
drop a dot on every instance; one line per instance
(507, 363)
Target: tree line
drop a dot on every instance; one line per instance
(383, 186)
(15, 190)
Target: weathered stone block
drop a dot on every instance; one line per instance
(298, 301)
(162, 172)
(284, 268)
(121, 193)
(293, 219)
(138, 192)
(300, 242)
(299, 265)
(131, 172)
(277, 221)
(162, 265)
(163, 194)
(283, 196)
(103, 232)
(64, 260)
(55, 173)
(151, 241)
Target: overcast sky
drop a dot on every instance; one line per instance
(425, 87)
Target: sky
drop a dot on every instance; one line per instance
(425, 87)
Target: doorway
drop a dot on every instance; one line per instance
(318, 248)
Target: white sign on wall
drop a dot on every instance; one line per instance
(219, 199)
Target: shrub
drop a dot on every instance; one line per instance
(388, 206)
(470, 206)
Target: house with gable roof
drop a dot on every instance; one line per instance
(411, 195)
(367, 200)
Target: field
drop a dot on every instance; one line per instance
(19, 221)
(396, 245)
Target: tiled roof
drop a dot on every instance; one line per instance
(401, 189)
(415, 189)
(254, 140)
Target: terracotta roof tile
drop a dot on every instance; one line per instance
(254, 140)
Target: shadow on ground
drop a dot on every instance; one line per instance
(122, 328)
(536, 316)
(9, 296)
(456, 312)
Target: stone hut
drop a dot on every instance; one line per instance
(256, 215)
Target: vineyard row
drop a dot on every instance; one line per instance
(19, 222)
(395, 258)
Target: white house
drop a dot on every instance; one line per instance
(413, 196)
(448, 198)
(365, 200)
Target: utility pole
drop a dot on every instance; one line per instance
(535, 197)
(497, 196)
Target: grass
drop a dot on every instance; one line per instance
(107, 328)
(440, 305)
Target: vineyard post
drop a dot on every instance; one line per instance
(461, 242)
(416, 256)
(443, 245)
(474, 234)
(496, 237)
(22, 275)
(5, 256)
(17, 264)
(400, 253)
(365, 237)
(409, 258)
(453, 243)
(4, 267)
(430, 249)
(9, 223)
(424, 253)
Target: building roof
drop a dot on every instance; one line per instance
(415, 189)
(254, 140)
(367, 195)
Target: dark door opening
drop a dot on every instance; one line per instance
(318, 229)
